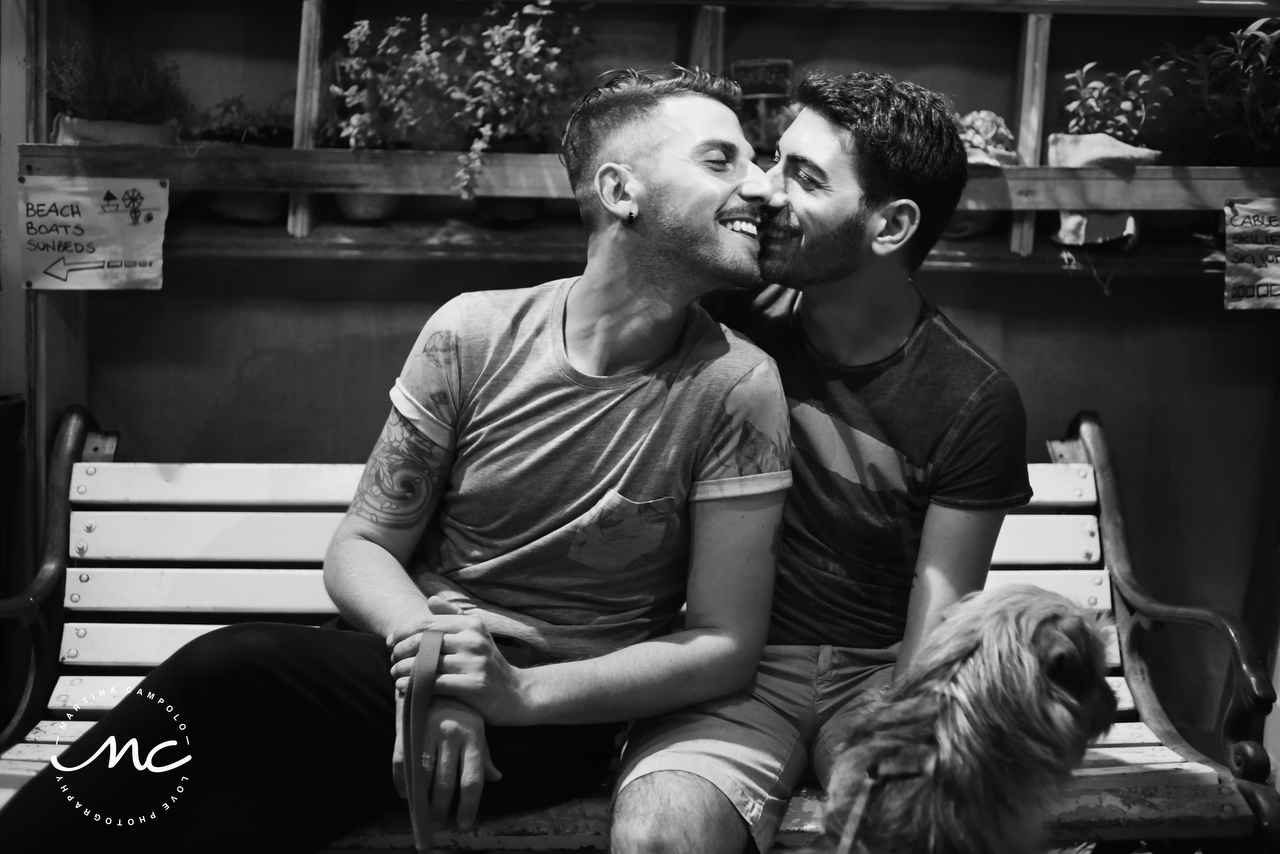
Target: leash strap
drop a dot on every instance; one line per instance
(417, 774)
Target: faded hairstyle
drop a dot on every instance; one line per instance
(620, 100)
(905, 144)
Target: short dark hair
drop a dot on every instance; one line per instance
(621, 98)
(906, 144)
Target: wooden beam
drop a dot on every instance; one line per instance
(707, 50)
(430, 173)
(306, 107)
(1208, 8)
(1033, 65)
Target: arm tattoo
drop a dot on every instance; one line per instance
(401, 481)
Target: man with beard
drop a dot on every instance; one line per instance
(908, 448)
(563, 467)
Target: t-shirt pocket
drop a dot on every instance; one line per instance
(619, 532)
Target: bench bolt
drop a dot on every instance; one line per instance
(84, 576)
(1088, 554)
(90, 527)
(1097, 580)
(91, 470)
(1226, 790)
(81, 547)
(75, 597)
(1082, 472)
(1228, 808)
(1093, 601)
(80, 633)
(72, 653)
(81, 490)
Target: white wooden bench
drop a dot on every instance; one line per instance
(140, 558)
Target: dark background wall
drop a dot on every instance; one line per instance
(290, 360)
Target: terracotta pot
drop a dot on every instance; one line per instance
(72, 131)
(367, 207)
(1081, 228)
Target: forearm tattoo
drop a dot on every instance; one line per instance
(402, 479)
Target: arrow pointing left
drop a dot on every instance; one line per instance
(60, 269)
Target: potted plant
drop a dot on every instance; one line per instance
(515, 89)
(232, 122)
(1225, 97)
(987, 142)
(104, 92)
(1105, 118)
(392, 90)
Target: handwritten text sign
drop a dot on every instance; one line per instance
(1253, 253)
(92, 233)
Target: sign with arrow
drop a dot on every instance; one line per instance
(92, 233)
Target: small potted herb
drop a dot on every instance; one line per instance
(392, 90)
(516, 87)
(1227, 96)
(1105, 118)
(102, 91)
(987, 142)
(232, 122)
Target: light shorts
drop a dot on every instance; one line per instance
(755, 745)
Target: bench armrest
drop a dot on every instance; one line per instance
(1252, 694)
(29, 606)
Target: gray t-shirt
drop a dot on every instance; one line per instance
(565, 519)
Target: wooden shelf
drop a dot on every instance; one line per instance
(1214, 8)
(428, 173)
(564, 242)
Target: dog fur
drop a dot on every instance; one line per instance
(961, 753)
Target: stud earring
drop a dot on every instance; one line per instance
(631, 217)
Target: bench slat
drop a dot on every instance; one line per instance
(1060, 540)
(1172, 774)
(1089, 588)
(1106, 756)
(312, 485)
(1062, 485)
(125, 644)
(1057, 540)
(247, 591)
(205, 536)
(49, 732)
(230, 484)
(1130, 734)
(1124, 697)
(97, 692)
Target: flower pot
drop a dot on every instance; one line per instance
(1081, 228)
(367, 207)
(964, 225)
(72, 131)
(248, 205)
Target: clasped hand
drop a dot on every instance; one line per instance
(472, 669)
(474, 683)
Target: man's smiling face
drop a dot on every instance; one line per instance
(707, 193)
(817, 226)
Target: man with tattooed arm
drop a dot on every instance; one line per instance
(563, 468)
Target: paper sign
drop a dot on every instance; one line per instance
(92, 233)
(1253, 253)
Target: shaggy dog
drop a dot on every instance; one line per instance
(961, 753)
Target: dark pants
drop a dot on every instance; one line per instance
(289, 730)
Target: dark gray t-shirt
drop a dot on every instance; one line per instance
(566, 510)
(935, 422)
